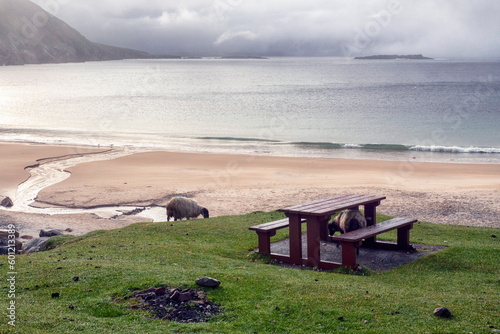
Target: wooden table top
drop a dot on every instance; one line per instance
(329, 206)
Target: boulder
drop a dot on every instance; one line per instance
(48, 234)
(442, 312)
(4, 247)
(208, 282)
(7, 202)
(35, 245)
(4, 234)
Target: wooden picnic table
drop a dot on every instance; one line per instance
(317, 215)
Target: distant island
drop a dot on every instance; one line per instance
(243, 57)
(389, 57)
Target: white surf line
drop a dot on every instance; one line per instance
(50, 173)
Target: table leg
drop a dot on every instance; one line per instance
(295, 234)
(371, 216)
(323, 232)
(348, 254)
(313, 241)
(404, 237)
(265, 241)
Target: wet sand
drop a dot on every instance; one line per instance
(16, 157)
(462, 194)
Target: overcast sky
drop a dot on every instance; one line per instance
(444, 28)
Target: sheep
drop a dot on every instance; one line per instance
(347, 221)
(181, 207)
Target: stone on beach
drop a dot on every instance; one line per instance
(7, 202)
(6, 242)
(4, 234)
(6, 248)
(48, 234)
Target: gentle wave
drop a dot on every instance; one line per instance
(386, 147)
(334, 146)
(353, 146)
(238, 139)
(398, 147)
(327, 146)
(456, 149)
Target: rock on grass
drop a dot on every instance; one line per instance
(442, 312)
(208, 282)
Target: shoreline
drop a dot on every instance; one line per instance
(447, 193)
(287, 149)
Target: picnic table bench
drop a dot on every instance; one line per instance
(317, 215)
(266, 231)
(351, 240)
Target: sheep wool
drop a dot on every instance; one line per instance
(347, 221)
(182, 207)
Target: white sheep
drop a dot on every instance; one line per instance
(347, 221)
(182, 207)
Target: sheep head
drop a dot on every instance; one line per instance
(334, 226)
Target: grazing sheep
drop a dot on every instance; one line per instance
(181, 207)
(347, 221)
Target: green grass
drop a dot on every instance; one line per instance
(255, 297)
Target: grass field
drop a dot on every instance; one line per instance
(255, 297)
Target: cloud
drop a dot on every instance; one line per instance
(289, 28)
(228, 35)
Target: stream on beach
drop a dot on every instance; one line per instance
(53, 171)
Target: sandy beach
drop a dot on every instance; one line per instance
(461, 194)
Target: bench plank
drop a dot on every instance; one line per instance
(373, 230)
(275, 225)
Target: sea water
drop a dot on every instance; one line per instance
(424, 110)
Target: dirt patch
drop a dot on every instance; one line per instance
(183, 306)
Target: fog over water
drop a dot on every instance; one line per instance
(448, 28)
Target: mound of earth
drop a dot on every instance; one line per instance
(175, 305)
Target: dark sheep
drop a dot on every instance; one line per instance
(347, 221)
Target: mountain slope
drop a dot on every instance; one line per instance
(30, 35)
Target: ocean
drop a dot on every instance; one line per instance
(442, 110)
